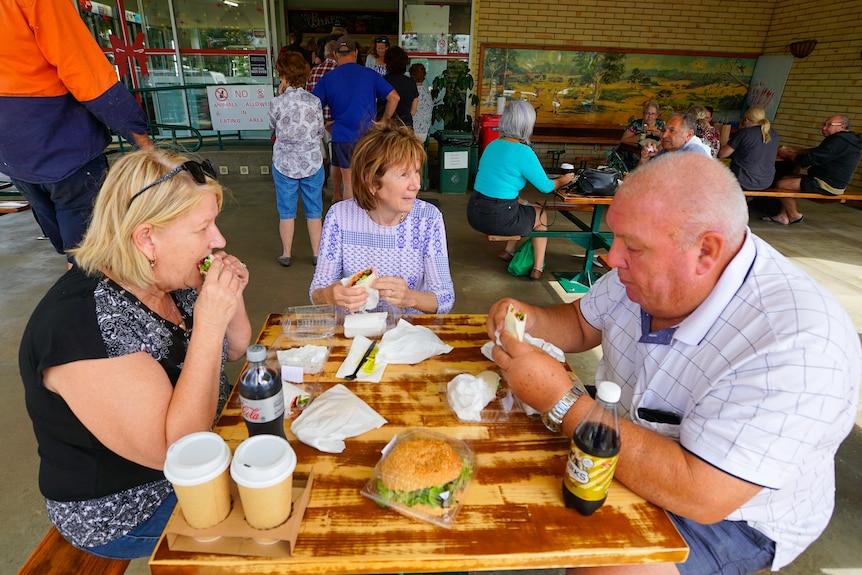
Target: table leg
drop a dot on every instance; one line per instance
(591, 241)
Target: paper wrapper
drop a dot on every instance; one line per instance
(373, 294)
(235, 536)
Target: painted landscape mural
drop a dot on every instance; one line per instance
(579, 87)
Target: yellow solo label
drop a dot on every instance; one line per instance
(589, 477)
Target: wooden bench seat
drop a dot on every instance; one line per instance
(821, 198)
(55, 555)
(13, 207)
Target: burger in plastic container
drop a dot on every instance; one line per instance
(423, 474)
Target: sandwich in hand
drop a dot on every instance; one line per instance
(423, 473)
(515, 322)
(362, 279)
(204, 265)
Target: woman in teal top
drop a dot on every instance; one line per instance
(506, 165)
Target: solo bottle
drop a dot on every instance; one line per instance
(594, 453)
(261, 395)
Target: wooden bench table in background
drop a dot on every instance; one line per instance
(513, 515)
(819, 198)
(588, 236)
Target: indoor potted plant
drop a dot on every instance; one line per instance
(451, 93)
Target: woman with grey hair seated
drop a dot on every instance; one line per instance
(622, 158)
(506, 165)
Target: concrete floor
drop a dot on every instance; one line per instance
(828, 246)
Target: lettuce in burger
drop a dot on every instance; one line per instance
(424, 473)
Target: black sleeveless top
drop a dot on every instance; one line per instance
(84, 318)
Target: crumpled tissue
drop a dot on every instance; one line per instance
(335, 415)
(409, 344)
(545, 346)
(468, 396)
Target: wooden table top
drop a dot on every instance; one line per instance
(513, 515)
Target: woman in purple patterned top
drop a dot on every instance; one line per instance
(385, 227)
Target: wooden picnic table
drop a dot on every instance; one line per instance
(512, 517)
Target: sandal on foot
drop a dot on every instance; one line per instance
(536, 274)
(506, 256)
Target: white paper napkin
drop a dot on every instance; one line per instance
(545, 346)
(334, 416)
(409, 344)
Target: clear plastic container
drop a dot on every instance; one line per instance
(309, 322)
(395, 486)
(311, 358)
(300, 368)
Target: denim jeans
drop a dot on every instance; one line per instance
(723, 548)
(140, 541)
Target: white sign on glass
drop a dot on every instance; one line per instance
(239, 107)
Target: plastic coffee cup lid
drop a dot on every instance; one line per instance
(196, 459)
(566, 166)
(262, 461)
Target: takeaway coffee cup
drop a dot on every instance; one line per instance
(197, 466)
(566, 168)
(263, 468)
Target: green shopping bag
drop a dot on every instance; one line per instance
(523, 261)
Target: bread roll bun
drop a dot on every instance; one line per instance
(420, 463)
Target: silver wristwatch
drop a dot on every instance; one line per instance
(553, 419)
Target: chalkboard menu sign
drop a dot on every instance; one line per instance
(359, 23)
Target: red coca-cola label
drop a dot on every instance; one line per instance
(263, 410)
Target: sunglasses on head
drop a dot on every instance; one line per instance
(383, 39)
(199, 171)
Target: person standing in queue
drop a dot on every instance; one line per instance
(396, 67)
(376, 57)
(296, 120)
(721, 370)
(351, 91)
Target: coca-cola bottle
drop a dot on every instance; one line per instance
(261, 395)
(594, 453)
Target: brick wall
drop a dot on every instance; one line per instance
(828, 82)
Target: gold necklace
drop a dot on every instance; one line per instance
(400, 219)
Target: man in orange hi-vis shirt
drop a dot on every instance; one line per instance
(59, 95)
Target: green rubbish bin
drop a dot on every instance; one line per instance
(453, 157)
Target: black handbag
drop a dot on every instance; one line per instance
(601, 181)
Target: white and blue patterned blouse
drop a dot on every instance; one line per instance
(414, 250)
